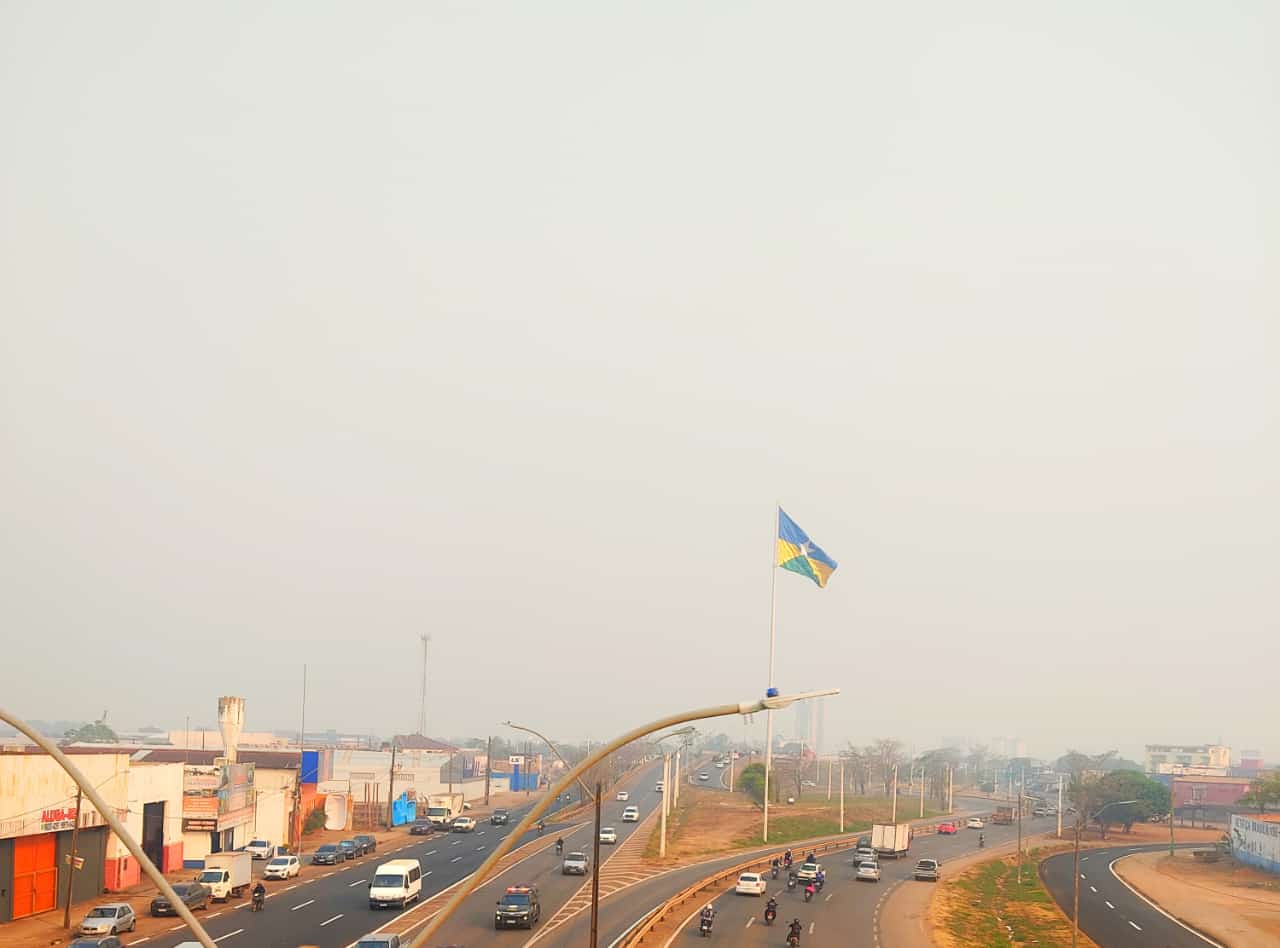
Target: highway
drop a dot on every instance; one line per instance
(846, 912)
(328, 906)
(473, 922)
(1111, 913)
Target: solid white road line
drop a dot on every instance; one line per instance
(1204, 938)
(334, 919)
(303, 905)
(238, 931)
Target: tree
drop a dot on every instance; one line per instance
(1076, 763)
(95, 733)
(886, 753)
(1153, 798)
(857, 764)
(751, 782)
(1264, 791)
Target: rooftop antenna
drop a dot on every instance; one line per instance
(422, 709)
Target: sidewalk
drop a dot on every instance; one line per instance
(1233, 904)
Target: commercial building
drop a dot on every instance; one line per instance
(1206, 799)
(1208, 760)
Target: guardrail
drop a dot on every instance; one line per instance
(762, 862)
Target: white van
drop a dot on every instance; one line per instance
(397, 882)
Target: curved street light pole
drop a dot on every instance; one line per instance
(555, 750)
(771, 701)
(117, 827)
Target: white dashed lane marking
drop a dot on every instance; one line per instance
(303, 905)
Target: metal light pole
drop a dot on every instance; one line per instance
(555, 750)
(842, 794)
(666, 789)
(894, 816)
(107, 813)
(772, 701)
(595, 875)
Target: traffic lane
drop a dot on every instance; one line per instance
(1110, 913)
(474, 919)
(330, 904)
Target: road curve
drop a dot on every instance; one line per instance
(1111, 913)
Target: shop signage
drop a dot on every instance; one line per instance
(199, 826)
(365, 775)
(516, 760)
(235, 818)
(58, 818)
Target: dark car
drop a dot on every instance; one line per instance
(328, 855)
(106, 941)
(499, 817)
(518, 908)
(193, 894)
(367, 844)
(349, 848)
(423, 827)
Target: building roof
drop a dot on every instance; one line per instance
(421, 742)
(267, 759)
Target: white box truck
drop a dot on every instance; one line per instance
(891, 839)
(443, 807)
(227, 874)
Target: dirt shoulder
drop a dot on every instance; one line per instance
(1232, 903)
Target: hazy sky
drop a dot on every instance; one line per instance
(327, 325)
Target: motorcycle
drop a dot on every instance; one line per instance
(775, 872)
(808, 892)
(704, 929)
(791, 882)
(769, 915)
(793, 940)
(981, 842)
(257, 903)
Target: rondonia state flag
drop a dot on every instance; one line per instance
(799, 554)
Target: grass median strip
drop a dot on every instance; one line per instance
(986, 905)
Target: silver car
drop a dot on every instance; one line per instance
(575, 864)
(109, 919)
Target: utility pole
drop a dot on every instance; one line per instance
(731, 770)
(451, 756)
(422, 706)
(829, 777)
(894, 817)
(922, 792)
(666, 793)
(71, 860)
(297, 826)
(595, 875)
(1075, 899)
(842, 794)
(1060, 807)
(488, 769)
(391, 783)
(1022, 789)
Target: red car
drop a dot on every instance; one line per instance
(946, 829)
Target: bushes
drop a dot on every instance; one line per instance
(314, 820)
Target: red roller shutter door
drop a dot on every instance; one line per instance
(35, 874)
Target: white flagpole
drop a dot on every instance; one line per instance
(773, 623)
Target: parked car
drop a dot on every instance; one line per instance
(518, 908)
(867, 872)
(575, 864)
(658, 786)
(422, 827)
(368, 843)
(261, 849)
(751, 883)
(704, 776)
(106, 941)
(927, 870)
(631, 814)
(464, 824)
(974, 823)
(110, 918)
(608, 834)
(282, 867)
(623, 796)
(193, 894)
(349, 848)
(328, 855)
(946, 829)
(499, 817)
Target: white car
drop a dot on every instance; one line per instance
(751, 883)
(631, 814)
(261, 849)
(704, 776)
(282, 867)
(973, 823)
(109, 919)
(657, 787)
(608, 834)
(623, 796)
(867, 872)
(464, 824)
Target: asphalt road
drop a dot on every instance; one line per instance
(328, 906)
(846, 912)
(1111, 913)
(472, 924)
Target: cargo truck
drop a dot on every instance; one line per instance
(226, 874)
(443, 807)
(1003, 815)
(891, 839)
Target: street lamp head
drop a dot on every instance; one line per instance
(773, 701)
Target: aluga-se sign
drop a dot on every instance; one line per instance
(58, 818)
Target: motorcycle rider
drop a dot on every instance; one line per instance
(560, 846)
(708, 916)
(793, 933)
(821, 879)
(542, 824)
(791, 879)
(770, 910)
(809, 891)
(786, 859)
(982, 840)
(259, 894)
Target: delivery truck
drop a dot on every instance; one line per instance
(443, 807)
(226, 874)
(1003, 815)
(891, 839)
